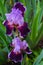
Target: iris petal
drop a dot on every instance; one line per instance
(24, 29)
(15, 17)
(20, 6)
(9, 30)
(28, 51)
(15, 57)
(9, 27)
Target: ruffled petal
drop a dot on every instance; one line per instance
(16, 57)
(24, 29)
(20, 6)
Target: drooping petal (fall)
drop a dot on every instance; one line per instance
(9, 27)
(15, 55)
(24, 29)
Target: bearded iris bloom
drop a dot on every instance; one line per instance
(19, 47)
(15, 20)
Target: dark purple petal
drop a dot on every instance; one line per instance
(20, 7)
(28, 51)
(9, 30)
(16, 57)
(24, 29)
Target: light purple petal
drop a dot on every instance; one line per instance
(20, 45)
(26, 48)
(20, 6)
(16, 41)
(15, 17)
(24, 44)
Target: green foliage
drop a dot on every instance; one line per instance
(38, 59)
(36, 29)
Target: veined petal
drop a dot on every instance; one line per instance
(15, 17)
(9, 17)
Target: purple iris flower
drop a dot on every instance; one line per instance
(16, 54)
(15, 20)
